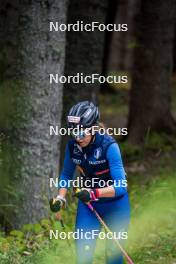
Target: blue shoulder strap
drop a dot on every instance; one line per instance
(108, 140)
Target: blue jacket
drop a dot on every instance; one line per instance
(100, 160)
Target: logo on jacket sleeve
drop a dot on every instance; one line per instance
(97, 153)
(76, 161)
(77, 149)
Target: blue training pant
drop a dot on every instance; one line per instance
(116, 214)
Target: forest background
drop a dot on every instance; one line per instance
(29, 105)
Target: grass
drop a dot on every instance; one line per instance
(152, 232)
(152, 229)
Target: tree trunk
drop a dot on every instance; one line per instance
(113, 7)
(29, 152)
(110, 19)
(150, 93)
(121, 46)
(174, 60)
(84, 52)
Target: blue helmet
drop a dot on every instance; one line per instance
(84, 114)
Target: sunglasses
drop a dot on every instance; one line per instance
(81, 134)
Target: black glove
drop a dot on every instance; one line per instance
(57, 203)
(87, 195)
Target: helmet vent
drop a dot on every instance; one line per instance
(87, 113)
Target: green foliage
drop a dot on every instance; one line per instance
(151, 233)
(113, 105)
(11, 257)
(17, 233)
(152, 228)
(159, 142)
(13, 104)
(21, 239)
(154, 144)
(120, 86)
(9, 177)
(5, 60)
(27, 228)
(133, 44)
(131, 152)
(32, 244)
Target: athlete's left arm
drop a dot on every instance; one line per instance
(117, 172)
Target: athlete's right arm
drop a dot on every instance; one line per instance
(66, 174)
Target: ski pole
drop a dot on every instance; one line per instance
(60, 220)
(63, 227)
(108, 230)
(129, 260)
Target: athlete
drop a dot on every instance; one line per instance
(103, 183)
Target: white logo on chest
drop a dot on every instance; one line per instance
(97, 153)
